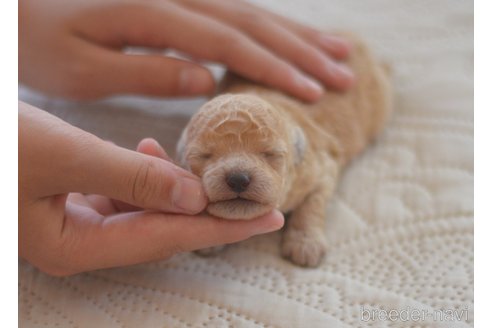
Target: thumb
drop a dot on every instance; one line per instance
(151, 75)
(139, 179)
(57, 158)
(147, 146)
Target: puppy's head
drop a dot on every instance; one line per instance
(243, 149)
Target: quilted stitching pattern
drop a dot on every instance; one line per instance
(400, 226)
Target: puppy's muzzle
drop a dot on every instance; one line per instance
(238, 181)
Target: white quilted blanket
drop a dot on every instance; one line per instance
(400, 226)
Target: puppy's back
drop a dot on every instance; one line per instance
(353, 118)
(358, 115)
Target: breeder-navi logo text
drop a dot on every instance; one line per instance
(415, 315)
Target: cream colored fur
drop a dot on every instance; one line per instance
(293, 151)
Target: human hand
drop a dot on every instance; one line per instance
(75, 49)
(81, 201)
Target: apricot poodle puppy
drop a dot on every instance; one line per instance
(257, 149)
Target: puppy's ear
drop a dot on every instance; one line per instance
(300, 144)
(180, 149)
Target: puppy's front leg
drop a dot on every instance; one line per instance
(304, 240)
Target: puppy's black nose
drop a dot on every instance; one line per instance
(238, 182)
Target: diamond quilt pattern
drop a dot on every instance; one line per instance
(400, 225)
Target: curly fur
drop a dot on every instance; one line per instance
(293, 151)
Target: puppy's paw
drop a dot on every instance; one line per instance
(210, 251)
(306, 248)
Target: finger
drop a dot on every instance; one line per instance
(103, 205)
(334, 45)
(100, 204)
(282, 41)
(312, 61)
(195, 34)
(279, 38)
(138, 237)
(83, 163)
(147, 146)
(150, 75)
(151, 147)
(78, 199)
(138, 179)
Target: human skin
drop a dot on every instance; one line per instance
(86, 204)
(75, 49)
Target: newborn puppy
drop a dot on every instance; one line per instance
(257, 149)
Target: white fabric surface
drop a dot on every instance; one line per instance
(400, 226)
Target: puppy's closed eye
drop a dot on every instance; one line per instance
(199, 159)
(274, 158)
(202, 156)
(272, 154)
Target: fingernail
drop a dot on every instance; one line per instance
(275, 223)
(154, 143)
(306, 82)
(188, 195)
(194, 81)
(335, 44)
(341, 73)
(162, 152)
